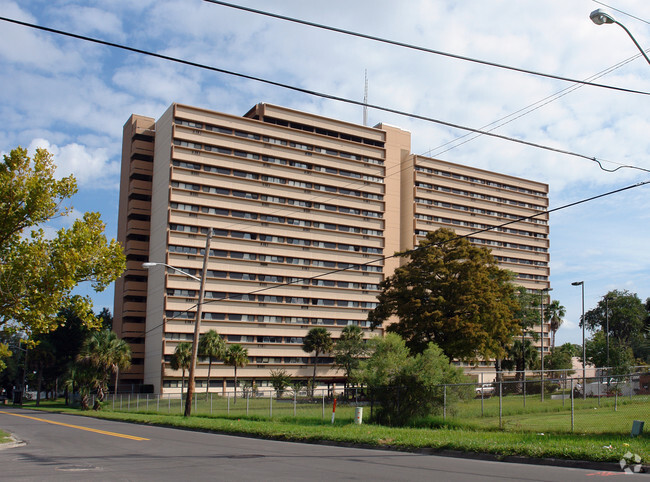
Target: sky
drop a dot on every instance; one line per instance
(73, 97)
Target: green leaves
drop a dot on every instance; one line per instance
(37, 273)
(453, 294)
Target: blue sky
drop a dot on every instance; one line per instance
(73, 97)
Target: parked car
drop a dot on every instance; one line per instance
(485, 390)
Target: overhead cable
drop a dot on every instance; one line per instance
(320, 94)
(419, 48)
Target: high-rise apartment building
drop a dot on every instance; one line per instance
(303, 209)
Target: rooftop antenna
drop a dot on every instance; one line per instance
(365, 100)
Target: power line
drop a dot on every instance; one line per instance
(416, 47)
(383, 258)
(526, 110)
(324, 95)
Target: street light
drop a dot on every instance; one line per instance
(197, 323)
(584, 348)
(600, 17)
(541, 330)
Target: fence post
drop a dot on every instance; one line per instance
(444, 402)
(500, 403)
(271, 403)
(114, 401)
(248, 398)
(128, 403)
(121, 402)
(572, 412)
(228, 397)
(294, 404)
(196, 402)
(616, 399)
(158, 403)
(524, 387)
(211, 396)
(323, 392)
(597, 389)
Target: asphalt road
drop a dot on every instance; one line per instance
(68, 447)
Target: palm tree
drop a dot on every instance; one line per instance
(106, 353)
(121, 358)
(181, 360)
(211, 345)
(523, 358)
(319, 341)
(554, 314)
(236, 356)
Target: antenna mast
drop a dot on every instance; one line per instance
(365, 100)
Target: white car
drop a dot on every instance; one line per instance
(485, 390)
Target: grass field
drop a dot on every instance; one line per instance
(607, 416)
(447, 435)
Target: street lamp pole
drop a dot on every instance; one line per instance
(584, 348)
(541, 331)
(607, 327)
(197, 323)
(600, 17)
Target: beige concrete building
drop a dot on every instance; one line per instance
(303, 210)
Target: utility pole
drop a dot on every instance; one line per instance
(197, 327)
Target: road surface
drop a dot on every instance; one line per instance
(68, 447)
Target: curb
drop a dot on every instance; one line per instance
(14, 443)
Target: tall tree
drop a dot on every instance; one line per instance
(554, 314)
(237, 357)
(181, 360)
(211, 345)
(453, 294)
(627, 318)
(348, 350)
(39, 273)
(41, 357)
(319, 341)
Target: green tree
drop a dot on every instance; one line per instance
(211, 345)
(319, 341)
(453, 294)
(41, 357)
(554, 314)
(280, 380)
(37, 274)
(181, 360)
(237, 357)
(621, 357)
(408, 386)
(348, 350)
(522, 355)
(627, 317)
(105, 353)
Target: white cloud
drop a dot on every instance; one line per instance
(77, 95)
(90, 167)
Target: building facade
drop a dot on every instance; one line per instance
(303, 209)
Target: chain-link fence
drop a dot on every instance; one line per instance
(562, 403)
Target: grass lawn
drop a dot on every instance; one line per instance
(4, 437)
(450, 435)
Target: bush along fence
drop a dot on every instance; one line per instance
(604, 404)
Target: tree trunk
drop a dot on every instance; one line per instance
(117, 379)
(313, 379)
(39, 383)
(207, 389)
(182, 384)
(235, 399)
